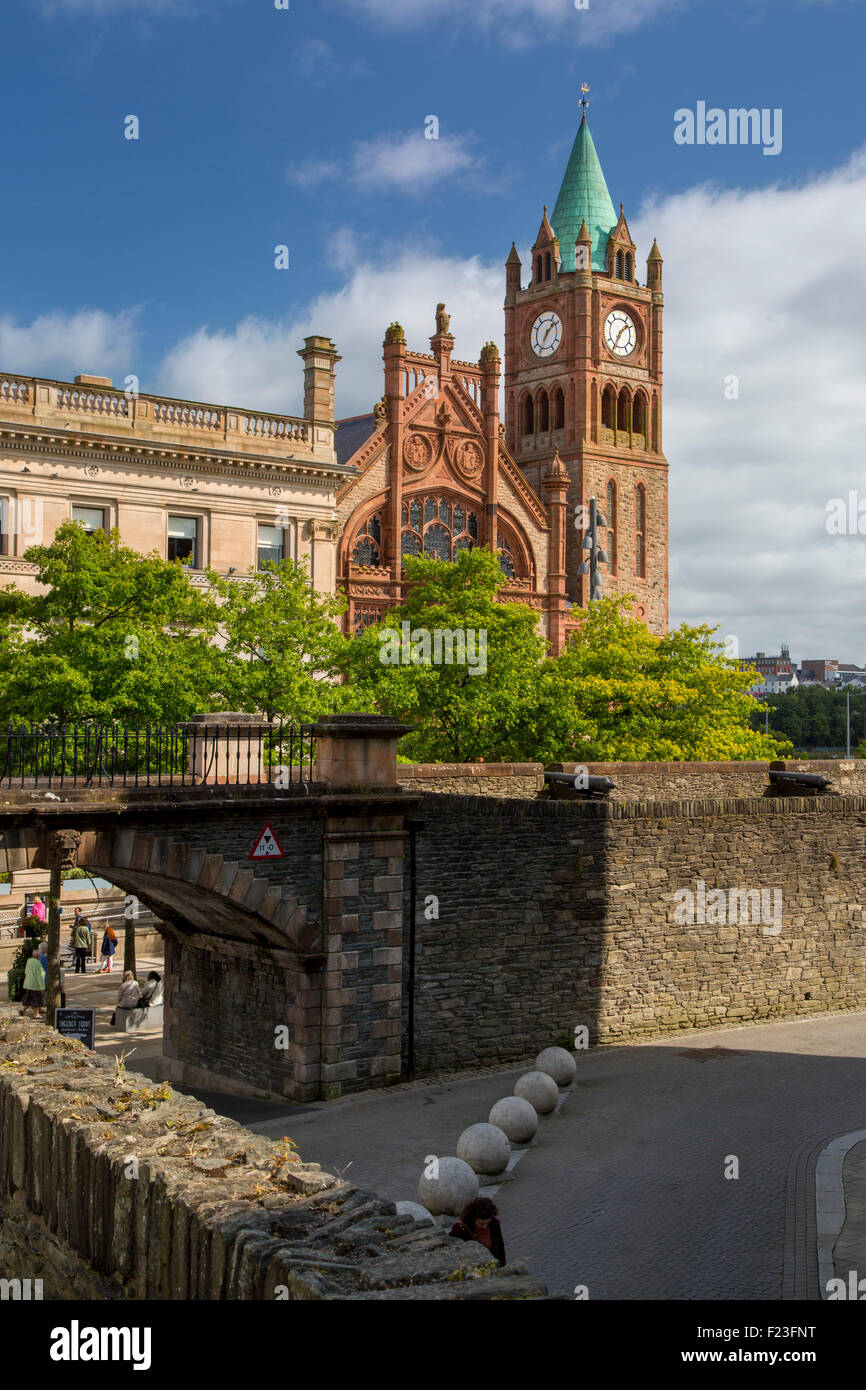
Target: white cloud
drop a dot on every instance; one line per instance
(405, 163)
(519, 23)
(62, 345)
(255, 363)
(768, 286)
(313, 172)
(411, 163)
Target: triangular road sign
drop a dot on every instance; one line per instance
(267, 846)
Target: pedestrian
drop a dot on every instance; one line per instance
(479, 1220)
(127, 996)
(109, 946)
(81, 931)
(38, 909)
(43, 955)
(34, 986)
(152, 992)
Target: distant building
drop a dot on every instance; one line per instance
(777, 674)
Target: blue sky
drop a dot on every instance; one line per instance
(305, 127)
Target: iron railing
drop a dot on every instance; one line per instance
(89, 754)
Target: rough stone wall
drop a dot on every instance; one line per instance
(659, 974)
(258, 989)
(131, 1191)
(553, 914)
(512, 961)
(473, 779)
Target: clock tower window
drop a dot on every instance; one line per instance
(623, 411)
(558, 409)
(619, 265)
(528, 415)
(629, 272)
(639, 413)
(612, 526)
(640, 531)
(608, 408)
(543, 412)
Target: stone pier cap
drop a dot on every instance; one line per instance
(358, 750)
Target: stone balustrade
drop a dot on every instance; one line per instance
(95, 404)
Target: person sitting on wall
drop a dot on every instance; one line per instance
(34, 987)
(127, 995)
(152, 992)
(479, 1221)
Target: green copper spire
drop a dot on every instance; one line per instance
(583, 197)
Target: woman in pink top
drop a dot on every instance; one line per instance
(38, 909)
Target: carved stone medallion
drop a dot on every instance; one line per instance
(468, 459)
(417, 452)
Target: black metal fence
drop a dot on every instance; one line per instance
(90, 754)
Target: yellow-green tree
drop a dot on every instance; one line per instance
(634, 697)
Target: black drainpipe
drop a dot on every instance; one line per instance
(413, 826)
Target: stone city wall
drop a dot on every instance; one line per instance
(473, 779)
(131, 1191)
(553, 914)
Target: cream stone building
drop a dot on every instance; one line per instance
(212, 485)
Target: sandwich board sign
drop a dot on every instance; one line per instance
(76, 1023)
(267, 846)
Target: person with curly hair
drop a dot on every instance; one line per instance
(479, 1220)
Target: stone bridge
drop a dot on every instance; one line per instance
(256, 950)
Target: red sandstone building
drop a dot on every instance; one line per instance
(435, 471)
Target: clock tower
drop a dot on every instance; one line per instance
(583, 379)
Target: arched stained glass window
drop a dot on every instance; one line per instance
(438, 527)
(367, 547)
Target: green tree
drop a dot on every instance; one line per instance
(281, 646)
(495, 705)
(637, 697)
(114, 634)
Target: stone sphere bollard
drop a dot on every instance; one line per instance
(557, 1063)
(516, 1118)
(446, 1185)
(539, 1089)
(485, 1148)
(415, 1210)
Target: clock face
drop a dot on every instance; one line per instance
(546, 334)
(620, 333)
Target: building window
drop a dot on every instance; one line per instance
(623, 411)
(543, 412)
(608, 408)
(270, 548)
(640, 531)
(91, 518)
(558, 409)
(628, 266)
(436, 527)
(528, 416)
(611, 526)
(5, 527)
(619, 265)
(506, 559)
(183, 540)
(368, 543)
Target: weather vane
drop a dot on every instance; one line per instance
(584, 99)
